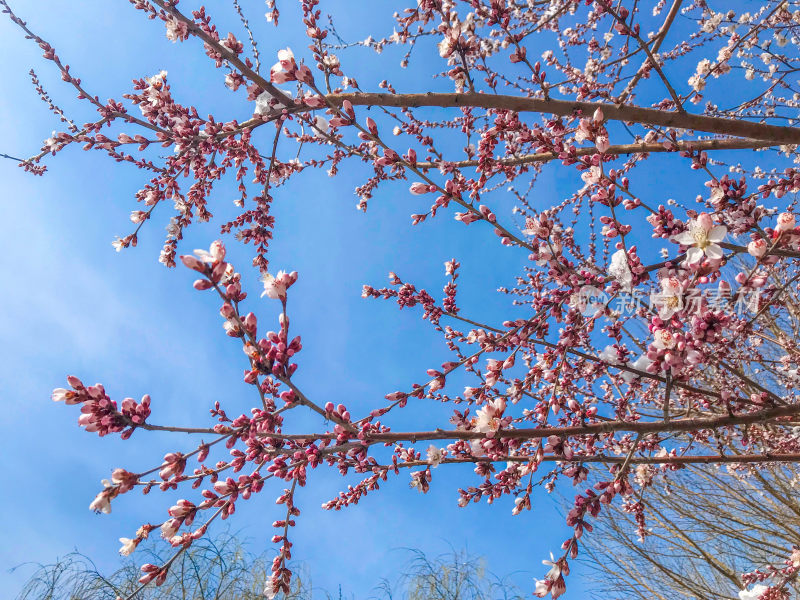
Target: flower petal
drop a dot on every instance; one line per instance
(717, 233)
(713, 252)
(694, 255)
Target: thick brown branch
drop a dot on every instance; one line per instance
(675, 425)
(637, 460)
(632, 114)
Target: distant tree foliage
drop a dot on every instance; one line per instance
(213, 569)
(222, 569)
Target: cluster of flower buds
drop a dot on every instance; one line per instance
(210, 263)
(286, 69)
(182, 513)
(281, 575)
(99, 412)
(153, 572)
(553, 583)
(593, 129)
(278, 350)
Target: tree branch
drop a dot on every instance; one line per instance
(632, 114)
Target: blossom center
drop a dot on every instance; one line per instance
(700, 236)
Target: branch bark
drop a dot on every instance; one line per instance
(630, 114)
(622, 149)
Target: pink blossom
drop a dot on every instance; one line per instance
(418, 188)
(757, 248)
(663, 339)
(214, 255)
(467, 217)
(592, 175)
(786, 222)
(177, 30)
(285, 69)
(602, 143)
(275, 287)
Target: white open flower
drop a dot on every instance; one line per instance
(670, 300)
(703, 237)
(265, 102)
(785, 222)
(101, 504)
(285, 55)
(620, 270)
(489, 417)
(435, 455)
(269, 590)
(51, 143)
(753, 593)
(321, 126)
(274, 287)
(128, 546)
(555, 568)
(592, 175)
(757, 248)
(640, 364)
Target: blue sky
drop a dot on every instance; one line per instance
(74, 306)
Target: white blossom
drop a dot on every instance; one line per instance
(435, 455)
(620, 270)
(753, 593)
(703, 237)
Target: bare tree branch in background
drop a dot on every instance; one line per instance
(214, 569)
(223, 569)
(687, 555)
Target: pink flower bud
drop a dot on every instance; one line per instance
(193, 263)
(304, 74)
(418, 188)
(785, 222)
(705, 221)
(757, 248)
(467, 217)
(347, 106)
